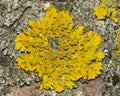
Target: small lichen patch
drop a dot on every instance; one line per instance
(101, 12)
(105, 9)
(59, 53)
(118, 42)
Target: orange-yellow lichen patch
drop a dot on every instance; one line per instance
(59, 53)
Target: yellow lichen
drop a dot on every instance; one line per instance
(101, 12)
(106, 8)
(59, 53)
(118, 42)
(110, 8)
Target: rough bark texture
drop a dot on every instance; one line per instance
(14, 16)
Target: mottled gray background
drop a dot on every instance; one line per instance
(14, 16)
